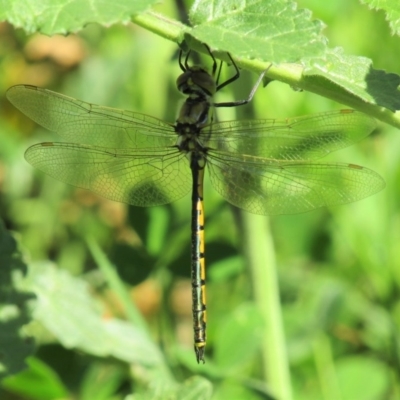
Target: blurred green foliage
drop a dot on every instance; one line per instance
(339, 269)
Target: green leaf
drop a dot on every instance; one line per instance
(271, 30)
(274, 31)
(225, 269)
(101, 381)
(239, 338)
(348, 80)
(63, 16)
(15, 347)
(66, 308)
(362, 378)
(256, 32)
(234, 390)
(392, 10)
(355, 76)
(38, 382)
(195, 388)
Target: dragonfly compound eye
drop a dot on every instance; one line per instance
(196, 80)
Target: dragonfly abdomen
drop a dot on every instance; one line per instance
(198, 261)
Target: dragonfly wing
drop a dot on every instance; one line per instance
(81, 122)
(268, 187)
(303, 138)
(140, 177)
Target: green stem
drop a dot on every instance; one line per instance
(116, 285)
(326, 368)
(161, 373)
(161, 25)
(292, 74)
(259, 255)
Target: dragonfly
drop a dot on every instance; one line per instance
(263, 166)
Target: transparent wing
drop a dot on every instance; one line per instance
(140, 177)
(268, 187)
(81, 122)
(303, 138)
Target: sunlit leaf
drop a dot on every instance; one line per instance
(63, 16)
(272, 30)
(356, 76)
(195, 388)
(392, 10)
(67, 309)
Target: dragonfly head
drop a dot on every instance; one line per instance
(196, 81)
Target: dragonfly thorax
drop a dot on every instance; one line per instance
(193, 115)
(189, 129)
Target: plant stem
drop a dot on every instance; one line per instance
(289, 73)
(116, 284)
(161, 25)
(162, 372)
(260, 258)
(325, 366)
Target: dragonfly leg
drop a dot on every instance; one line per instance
(184, 66)
(249, 98)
